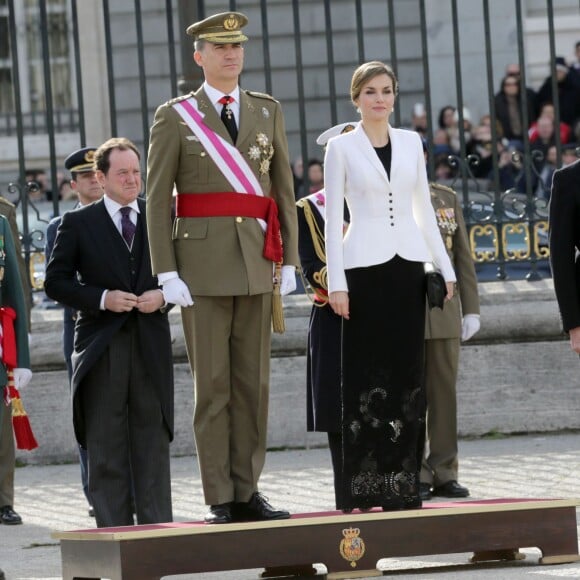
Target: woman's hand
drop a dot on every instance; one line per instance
(339, 303)
(450, 290)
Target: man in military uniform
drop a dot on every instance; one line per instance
(11, 297)
(224, 149)
(8, 210)
(84, 182)
(459, 320)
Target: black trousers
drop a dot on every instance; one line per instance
(127, 440)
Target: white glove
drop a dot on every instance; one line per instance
(175, 291)
(288, 282)
(469, 326)
(22, 378)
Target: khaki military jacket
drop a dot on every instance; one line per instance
(218, 256)
(446, 323)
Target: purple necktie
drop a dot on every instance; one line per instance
(127, 226)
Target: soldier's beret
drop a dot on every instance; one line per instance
(223, 28)
(81, 161)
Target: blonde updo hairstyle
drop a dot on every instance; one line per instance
(368, 71)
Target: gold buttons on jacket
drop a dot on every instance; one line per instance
(203, 154)
(186, 235)
(239, 219)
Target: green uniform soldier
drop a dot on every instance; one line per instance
(11, 297)
(224, 150)
(458, 321)
(8, 210)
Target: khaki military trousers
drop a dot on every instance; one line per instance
(228, 344)
(7, 455)
(440, 463)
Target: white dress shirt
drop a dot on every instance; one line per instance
(214, 96)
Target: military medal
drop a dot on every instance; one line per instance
(262, 151)
(254, 152)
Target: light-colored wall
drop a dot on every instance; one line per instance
(375, 20)
(517, 375)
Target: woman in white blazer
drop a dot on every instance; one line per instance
(376, 282)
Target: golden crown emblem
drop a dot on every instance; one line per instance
(349, 533)
(90, 156)
(352, 547)
(231, 22)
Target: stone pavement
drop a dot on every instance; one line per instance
(534, 466)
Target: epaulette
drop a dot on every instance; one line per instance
(4, 201)
(261, 95)
(178, 99)
(433, 185)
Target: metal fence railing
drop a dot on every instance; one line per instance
(503, 181)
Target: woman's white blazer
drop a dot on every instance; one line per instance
(381, 225)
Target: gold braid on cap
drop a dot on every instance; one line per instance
(224, 34)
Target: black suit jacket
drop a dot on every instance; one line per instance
(88, 243)
(565, 242)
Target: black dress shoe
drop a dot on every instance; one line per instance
(2, 577)
(9, 517)
(91, 511)
(258, 509)
(219, 514)
(425, 491)
(451, 489)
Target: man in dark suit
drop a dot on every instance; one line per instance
(564, 247)
(122, 366)
(84, 183)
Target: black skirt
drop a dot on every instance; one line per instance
(383, 413)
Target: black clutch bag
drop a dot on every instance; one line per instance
(436, 288)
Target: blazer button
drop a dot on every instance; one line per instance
(239, 219)
(202, 154)
(186, 235)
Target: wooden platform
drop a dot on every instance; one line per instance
(348, 545)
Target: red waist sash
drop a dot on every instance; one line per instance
(236, 204)
(7, 318)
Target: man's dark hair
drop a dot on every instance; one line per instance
(103, 153)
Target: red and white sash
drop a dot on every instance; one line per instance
(228, 159)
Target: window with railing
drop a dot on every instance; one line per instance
(27, 39)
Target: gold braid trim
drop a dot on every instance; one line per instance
(315, 233)
(321, 277)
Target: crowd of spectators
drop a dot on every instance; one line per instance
(519, 111)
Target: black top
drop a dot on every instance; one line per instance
(384, 154)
